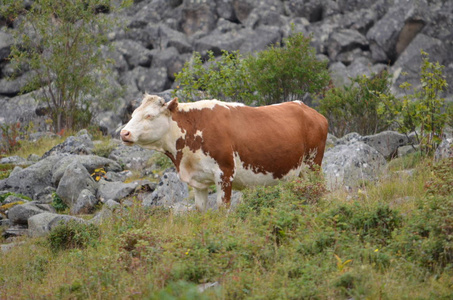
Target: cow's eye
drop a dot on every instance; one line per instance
(148, 116)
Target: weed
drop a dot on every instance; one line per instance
(73, 234)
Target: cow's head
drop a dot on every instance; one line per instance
(149, 122)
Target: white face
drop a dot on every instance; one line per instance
(148, 125)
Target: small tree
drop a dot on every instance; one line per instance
(59, 41)
(274, 75)
(354, 108)
(289, 72)
(223, 78)
(423, 111)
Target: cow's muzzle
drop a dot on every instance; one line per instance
(126, 137)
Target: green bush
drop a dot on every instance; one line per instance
(274, 75)
(354, 108)
(58, 203)
(225, 78)
(423, 111)
(73, 234)
(287, 73)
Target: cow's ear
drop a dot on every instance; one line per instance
(173, 104)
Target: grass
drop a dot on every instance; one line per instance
(389, 240)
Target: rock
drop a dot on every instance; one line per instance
(85, 203)
(72, 145)
(16, 170)
(19, 214)
(170, 60)
(445, 149)
(42, 224)
(149, 80)
(386, 142)
(406, 150)
(132, 158)
(348, 165)
(345, 40)
(21, 109)
(15, 231)
(6, 41)
(310, 10)
(173, 38)
(411, 59)
(392, 33)
(198, 17)
(8, 247)
(115, 190)
(46, 195)
(90, 162)
(169, 191)
(134, 53)
(75, 179)
(15, 160)
(32, 179)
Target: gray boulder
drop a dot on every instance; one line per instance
(348, 165)
(198, 17)
(345, 40)
(81, 144)
(75, 179)
(22, 109)
(387, 142)
(149, 79)
(169, 191)
(132, 158)
(445, 149)
(115, 190)
(392, 33)
(19, 214)
(32, 179)
(42, 224)
(85, 203)
(411, 59)
(90, 162)
(134, 53)
(15, 160)
(6, 41)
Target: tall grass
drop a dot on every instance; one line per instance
(391, 240)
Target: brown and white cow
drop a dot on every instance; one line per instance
(228, 144)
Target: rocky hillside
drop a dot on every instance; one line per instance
(357, 37)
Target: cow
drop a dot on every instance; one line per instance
(229, 144)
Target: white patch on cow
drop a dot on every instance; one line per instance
(199, 133)
(208, 104)
(198, 169)
(298, 101)
(245, 176)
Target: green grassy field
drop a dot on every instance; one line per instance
(392, 239)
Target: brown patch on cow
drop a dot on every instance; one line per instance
(270, 139)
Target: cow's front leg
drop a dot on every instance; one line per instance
(224, 189)
(201, 198)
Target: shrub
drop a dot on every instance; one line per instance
(73, 234)
(274, 75)
(58, 203)
(289, 72)
(354, 108)
(422, 112)
(224, 78)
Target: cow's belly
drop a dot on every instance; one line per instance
(197, 169)
(248, 177)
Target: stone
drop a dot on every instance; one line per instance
(74, 180)
(85, 203)
(115, 190)
(32, 179)
(41, 224)
(345, 40)
(169, 191)
(19, 214)
(445, 149)
(72, 145)
(386, 142)
(132, 158)
(349, 165)
(90, 162)
(134, 53)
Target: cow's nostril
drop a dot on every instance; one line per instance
(125, 134)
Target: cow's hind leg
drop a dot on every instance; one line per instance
(201, 199)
